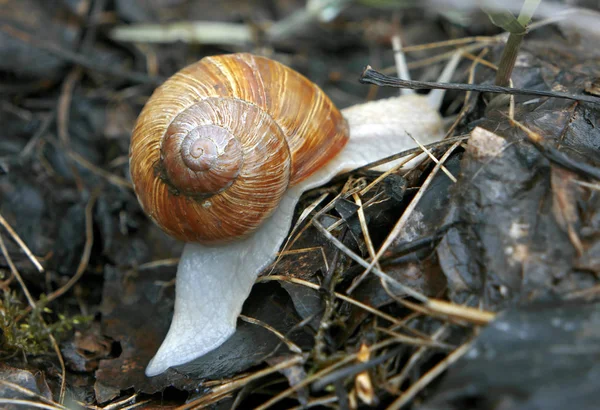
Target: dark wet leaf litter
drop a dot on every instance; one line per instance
(518, 233)
(541, 356)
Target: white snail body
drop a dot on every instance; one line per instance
(219, 266)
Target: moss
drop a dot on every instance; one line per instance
(25, 332)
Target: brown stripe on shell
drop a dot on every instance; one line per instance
(263, 104)
(314, 127)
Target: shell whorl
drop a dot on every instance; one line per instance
(217, 145)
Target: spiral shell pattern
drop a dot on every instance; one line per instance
(217, 145)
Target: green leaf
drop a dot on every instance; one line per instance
(504, 19)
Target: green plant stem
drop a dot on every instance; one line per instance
(507, 62)
(511, 50)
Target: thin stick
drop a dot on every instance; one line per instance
(363, 226)
(84, 61)
(87, 250)
(236, 384)
(317, 375)
(398, 379)
(413, 390)
(409, 209)
(29, 404)
(113, 179)
(370, 76)
(291, 345)
(345, 298)
(30, 393)
(21, 244)
(117, 405)
(433, 158)
(32, 305)
(371, 267)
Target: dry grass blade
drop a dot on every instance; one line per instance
(428, 377)
(289, 241)
(368, 308)
(405, 216)
(158, 264)
(21, 244)
(307, 250)
(472, 315)
(120, 403)
(446, 310)
(31, 393)
(433, 158)
(32, 305)
(394, 157)
(229, 387)
(390, 171)
(353, 370)
(87, 250)
(291, 345)
(30, 404)
(16, 273)
(347, 299)
(136, 405)
(317, 375)
(384, 276)
(363, 226)
(113, 179)
(416, 342)
(64, 104)
(317, 402)
(454, 42)
(467, 102)
(595, 187)
(396, 381)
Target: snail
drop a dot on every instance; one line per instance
(219, 157)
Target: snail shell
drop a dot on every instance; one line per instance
(217, 145)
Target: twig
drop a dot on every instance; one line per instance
(405, 216)
(87, 250)
(291, 345)
(371, 267)
(352, 370)
(32, 305)
(117, 405)
(417, 150)
(21, 244)
(29, 404)
(345, 298)
(433, 158)
(236, 384)
(556, 156)
(87, 62)
(31, 393)
(113, 179)
(317, 375)
(413, 390)
(370, 76)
